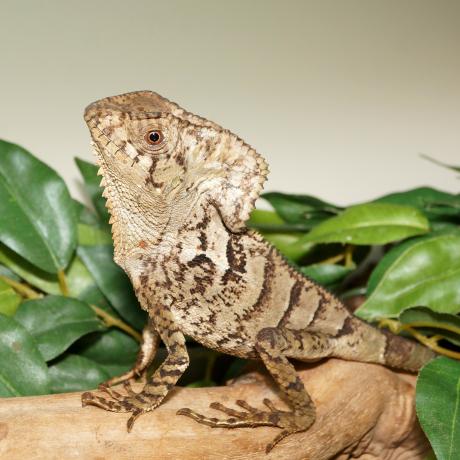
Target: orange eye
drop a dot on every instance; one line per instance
(154, 137)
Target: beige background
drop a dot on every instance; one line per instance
(340, 96)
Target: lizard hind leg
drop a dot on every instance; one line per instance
(274, 347)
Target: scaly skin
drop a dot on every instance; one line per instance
(179, 189)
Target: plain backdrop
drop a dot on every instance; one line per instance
(340, 96)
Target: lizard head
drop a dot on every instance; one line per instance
(154, 155)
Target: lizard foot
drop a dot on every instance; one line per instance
(290, 422)
(136, 403)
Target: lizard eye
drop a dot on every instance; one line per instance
(154, 137)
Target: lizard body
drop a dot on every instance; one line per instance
(180, 189)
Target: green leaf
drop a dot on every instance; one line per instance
(5, 271)
(435, 204)
(423, 273)
(91, 235)
(38, 216)
(298, 209)
(326, 274)
(92, 183)
(76, 373)
(78, 277)
(114, 350)
(113, 282)
(56, 322)
(44, 281)
(289, 244)
(269, 221)
(372, 223)
(436, 323)
(438, 406)
(263, 217)
(9, 299)
(23, 371)
(393, 254)
(85, 215)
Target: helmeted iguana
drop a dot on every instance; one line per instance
(179, 189)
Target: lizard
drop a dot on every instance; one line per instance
(179, 189)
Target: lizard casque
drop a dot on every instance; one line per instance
(179, 189)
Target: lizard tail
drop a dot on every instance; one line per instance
(359, 341)
(406, 354)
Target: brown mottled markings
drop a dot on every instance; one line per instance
(202, 260)
(144, 279)
(203, 241)
(230, 276)
(321, 310)
(236, 256)
(348, 327)
(294, 297)
(203, 224)
(397, 350)
(149, 176)
(263, 301)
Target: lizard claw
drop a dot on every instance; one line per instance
(136, 403)
(291, 422)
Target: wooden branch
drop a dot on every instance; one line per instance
(364, 411)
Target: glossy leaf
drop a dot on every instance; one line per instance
(113, 282)
(92, 184)
(291, 245)
(94, 296)
(5, 271)
(114, 350)
(91, 235)
(326, 274)
(438, 406)
(264, 217)
(433, 323)
(434, 203)
(269, 221)
(9, 299)
(288, 244)
(77, 275)
(38, 216)
(76, 373)
(46, 282)
(85, 215)
(296, 209)
(394, 253)
(372, 223)
(423, 273)
(23, 371)
(56, 322)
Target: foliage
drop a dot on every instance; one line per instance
(438, 406)
(69, 318)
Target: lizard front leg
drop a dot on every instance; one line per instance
(147, 352)
(274, 347)
(161, 382)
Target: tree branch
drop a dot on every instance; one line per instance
(364, 411)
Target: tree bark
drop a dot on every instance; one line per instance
(364, 411)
